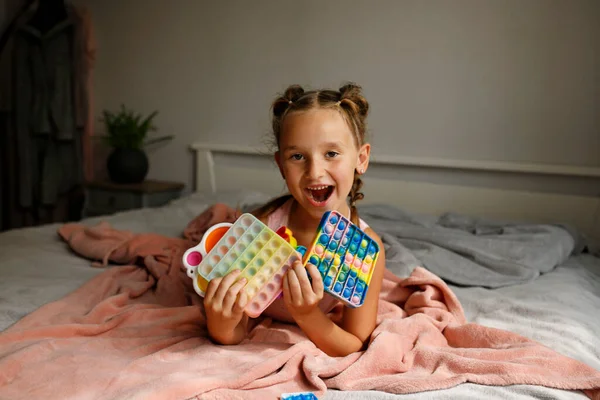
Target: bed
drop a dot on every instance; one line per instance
(516, 243)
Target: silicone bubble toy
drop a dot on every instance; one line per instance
(299, 396)
(344, 255)
(248, 245)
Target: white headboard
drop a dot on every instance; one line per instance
(500, 190)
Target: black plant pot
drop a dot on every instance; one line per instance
(127, 165)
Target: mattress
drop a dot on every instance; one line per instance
(534, 280)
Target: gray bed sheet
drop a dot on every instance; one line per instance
(528, 279)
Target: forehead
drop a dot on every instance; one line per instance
(314, 127)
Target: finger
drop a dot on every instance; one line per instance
(213, 285)
(286, 289)
(240, 304)
(232, 294)
(225, 285)
(317, 279)
(295, 290)
(305, 286)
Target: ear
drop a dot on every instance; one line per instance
(278, 161)
(364, 154)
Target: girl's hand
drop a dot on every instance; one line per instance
(300, 296)
(225, 309)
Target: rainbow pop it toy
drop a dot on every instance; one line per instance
(345, 256)
(299, 396)
(248, 245)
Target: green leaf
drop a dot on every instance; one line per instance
(128, 129)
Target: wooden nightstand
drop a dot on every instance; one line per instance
(105, 197)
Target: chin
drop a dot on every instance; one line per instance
(318, 212)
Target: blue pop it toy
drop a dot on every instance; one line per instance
(299, 396)
(345, 256)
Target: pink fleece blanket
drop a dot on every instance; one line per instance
(138, 331)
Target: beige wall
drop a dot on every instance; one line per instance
(507, 80)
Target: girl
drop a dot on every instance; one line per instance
(321, 154)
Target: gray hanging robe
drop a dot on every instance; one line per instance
(49, 111)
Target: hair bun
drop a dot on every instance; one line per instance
(353, 92)
(293, 93)
(282, 103)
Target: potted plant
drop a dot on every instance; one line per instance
(126, 134)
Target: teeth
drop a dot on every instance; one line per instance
(318, 188)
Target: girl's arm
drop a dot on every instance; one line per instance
(361, 321)
(327, 336)
(357, 324)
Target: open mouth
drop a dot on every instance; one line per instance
(318, 195)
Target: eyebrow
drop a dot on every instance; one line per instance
(288, 148)
(326, 145)
(334, 144)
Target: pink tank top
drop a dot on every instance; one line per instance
(277, 310)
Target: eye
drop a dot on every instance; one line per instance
(332, 154)
(296, 157)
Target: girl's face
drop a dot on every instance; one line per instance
(317, 157)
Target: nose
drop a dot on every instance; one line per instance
(315, 169)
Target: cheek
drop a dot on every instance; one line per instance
(344, 178)
(292, 172)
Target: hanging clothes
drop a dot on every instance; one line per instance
(89, 59)
(50, 107)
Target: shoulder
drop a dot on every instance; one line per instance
(275, 213)
(369, 231)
